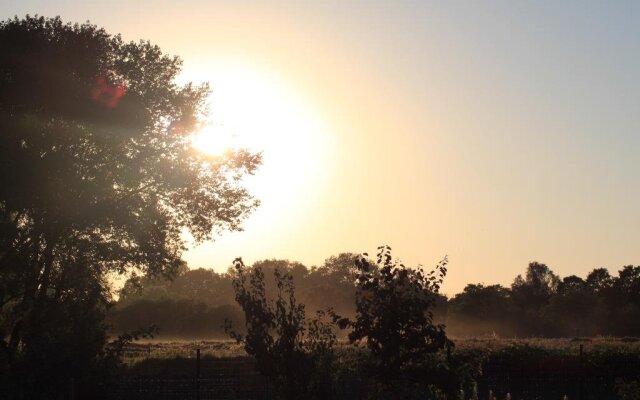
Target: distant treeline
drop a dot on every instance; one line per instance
(539, 303)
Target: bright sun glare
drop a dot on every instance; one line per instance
(253, 110)
(257, 111)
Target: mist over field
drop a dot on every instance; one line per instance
(195, 304)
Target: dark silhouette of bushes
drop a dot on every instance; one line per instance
(294, 353)
(394, 318)
(210, 295)
(542, 304)
(405, 352)
(185, 318)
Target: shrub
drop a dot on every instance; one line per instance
(394, 317)
(294, 353)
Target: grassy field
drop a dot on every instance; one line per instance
(163, 349)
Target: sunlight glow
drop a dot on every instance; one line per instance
(253, 110)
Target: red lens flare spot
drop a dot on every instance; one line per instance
(107, 93)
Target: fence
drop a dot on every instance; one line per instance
(223, 379)
(578, 375)
(527, 374)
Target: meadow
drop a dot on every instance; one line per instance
(139, 351)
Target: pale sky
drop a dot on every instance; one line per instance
(497, 133)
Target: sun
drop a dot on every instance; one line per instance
(214, 139)
(254, 110)
(258, 111)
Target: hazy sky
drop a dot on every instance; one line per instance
(495, 132)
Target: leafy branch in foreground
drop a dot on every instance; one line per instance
(114, 350)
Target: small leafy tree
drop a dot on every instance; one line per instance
(394, 316)
(294, 353)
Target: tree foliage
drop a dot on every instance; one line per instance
(195, 301)
(394, 316)
(545, 305)
(598, 304)
(536, 288)
(293, 352)
(98, 174)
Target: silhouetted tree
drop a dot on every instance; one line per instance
(332, 285)
(394, 316)
(625, 301)
(97, 172)
(601, 304)
(536, 288)
(329, 286)
(294, 353)
(571, 284)
(628, 283)
(573, 310)
(149, 286)
(531, 294)
(181, 318)
(481, 310)
(599, 280)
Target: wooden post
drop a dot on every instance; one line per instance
(581, 372)
(197, 374)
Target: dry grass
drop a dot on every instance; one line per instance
(558, 344)
(151, 349)
(156, 349)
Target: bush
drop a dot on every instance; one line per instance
(394, 317)
(294, 353)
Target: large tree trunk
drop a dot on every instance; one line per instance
(45, 279)
(29, 307)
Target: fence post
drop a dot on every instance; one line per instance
(197, 374)
(581, 374)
